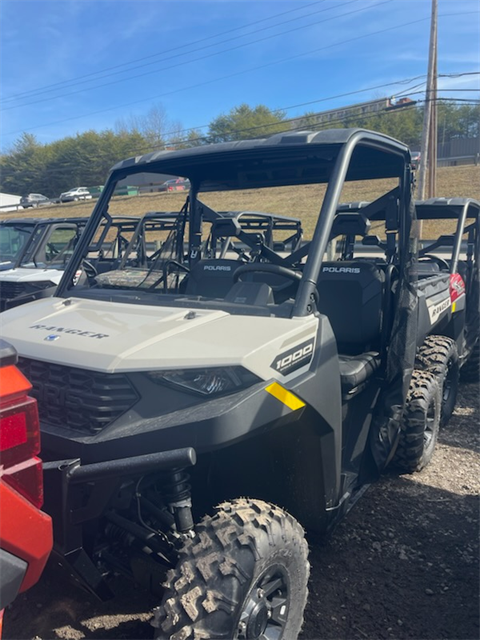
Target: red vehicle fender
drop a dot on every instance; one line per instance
(26, 532)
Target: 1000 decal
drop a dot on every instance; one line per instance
(294, 358)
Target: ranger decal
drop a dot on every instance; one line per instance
(76, 332)
(294, 358)
(436, 310)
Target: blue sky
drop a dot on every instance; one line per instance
(68, 66)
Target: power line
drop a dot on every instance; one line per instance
(315, 127)
(342, 95)
(222, 33)
(210, 55)
(40, 89)
(236, 74)
(320, 126)
(349, 93)
(63, 169)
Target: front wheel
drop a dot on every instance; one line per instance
(243, 575)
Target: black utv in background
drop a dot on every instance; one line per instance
(233, 363)
(458, 253)
(448, 342)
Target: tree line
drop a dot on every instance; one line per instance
(85, 159)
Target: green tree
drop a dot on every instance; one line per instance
(23, 168)
(244, 122)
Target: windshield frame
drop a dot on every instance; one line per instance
(347, 145)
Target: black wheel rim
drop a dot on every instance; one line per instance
(265, 610)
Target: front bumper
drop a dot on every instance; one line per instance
(65, 500)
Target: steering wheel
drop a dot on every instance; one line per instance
(175, 263)
(274, 269)
(53, 251)
(443, 264)
(90, 270)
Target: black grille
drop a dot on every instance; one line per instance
(9, 290)
(86, 401)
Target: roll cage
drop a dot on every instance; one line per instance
(466, 211)
(39, 232)
(292, 158)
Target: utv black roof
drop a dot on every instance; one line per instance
(294, 157)
(448, 208)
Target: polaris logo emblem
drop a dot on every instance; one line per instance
(218, 267)
(51, 338)
(295, 358)
(340, 269)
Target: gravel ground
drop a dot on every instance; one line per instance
(403, 564)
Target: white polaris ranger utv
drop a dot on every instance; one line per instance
(33, 255)
(235, 364)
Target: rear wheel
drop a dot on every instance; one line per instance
(420, 423)
(439, 355)
(243, 575)
(470, 372)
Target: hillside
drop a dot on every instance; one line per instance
(292, 201)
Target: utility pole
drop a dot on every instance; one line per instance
(432, 179)
(428, 157)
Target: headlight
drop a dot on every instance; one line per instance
(207, 382)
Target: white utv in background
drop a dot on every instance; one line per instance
(243, 366)
(458, 254)
(33, 255)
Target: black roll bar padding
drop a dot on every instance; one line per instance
(147, 463)
(391, 227)
(195, 228)
(387, 310)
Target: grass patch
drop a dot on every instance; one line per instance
(298, 201)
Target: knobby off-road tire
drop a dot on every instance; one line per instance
(470, 372)
(439, 355)
(420, 423)
(243, 575)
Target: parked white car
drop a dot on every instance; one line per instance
(80, 193)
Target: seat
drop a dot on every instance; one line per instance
(356, 370)
(211, 278)
(351, 295)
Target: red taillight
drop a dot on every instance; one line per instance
(19, 431)
(19, 436)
